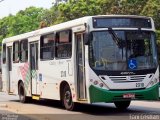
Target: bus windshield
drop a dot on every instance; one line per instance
(122, 50)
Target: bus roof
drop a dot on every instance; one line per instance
(62, 26)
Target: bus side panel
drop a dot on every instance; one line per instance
(14, 78)
(52, 74)
(5, 78)
(48, 73)
(87, 71)
(22, 73)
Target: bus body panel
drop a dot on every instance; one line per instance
(112, 96)
(56, 71)
(98, 94)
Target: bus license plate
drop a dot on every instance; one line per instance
(129, 95)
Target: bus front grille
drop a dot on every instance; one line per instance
(134, 78)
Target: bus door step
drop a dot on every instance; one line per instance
(35, 97)
(82, 100)
(10, 93)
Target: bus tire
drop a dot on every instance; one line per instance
(22, 94)
(67, 98)
(122, 105)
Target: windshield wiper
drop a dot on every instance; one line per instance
(118, 42)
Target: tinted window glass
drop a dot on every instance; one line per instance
(4, 53)
(24, 50)
(47, 46)
(63, 44)
(16, 51)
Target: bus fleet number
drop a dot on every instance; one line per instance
(139, 85)
(63, 73)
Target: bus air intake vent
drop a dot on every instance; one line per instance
(134, 78)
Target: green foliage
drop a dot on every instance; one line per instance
(128, 7)
(23, 21)
(49, 16)
(27, 20)
(152, 9)
(74, 9)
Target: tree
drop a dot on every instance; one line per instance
(125, 7)
(75, 9)
(49, 16)
(28, 20)
(24, 21)
(42, 24)
(5, 25)
(152, 9)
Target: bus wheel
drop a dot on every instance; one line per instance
(67, 98)
(122, 105)
(22, 94)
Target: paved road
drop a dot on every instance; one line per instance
(52, 110)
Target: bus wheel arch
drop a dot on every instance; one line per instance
(66, 96)
(19, 82)
(22, 93)
(122, 105)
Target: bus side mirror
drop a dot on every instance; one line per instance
(87, 38)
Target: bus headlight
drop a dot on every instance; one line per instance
(95, 82)
(101, 85)
(155, 80)
(152, 82)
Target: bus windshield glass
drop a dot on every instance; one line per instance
(122, 50)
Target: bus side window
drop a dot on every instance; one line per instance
(16, 52)
(47, 44)
(64, 44)
(4, 54)
(24, 51)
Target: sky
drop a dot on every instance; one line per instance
(13, 6)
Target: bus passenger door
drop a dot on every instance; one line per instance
(10, 82)
(34, 68)
(81, 81)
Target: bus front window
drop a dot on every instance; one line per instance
(106, 54)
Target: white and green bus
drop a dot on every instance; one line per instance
(105, 58)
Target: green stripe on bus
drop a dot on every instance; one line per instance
(102, 95)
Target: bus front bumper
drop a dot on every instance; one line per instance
(102, 95)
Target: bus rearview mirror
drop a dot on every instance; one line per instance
(87, 38)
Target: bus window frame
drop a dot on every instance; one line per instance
(14, 59)
(42, 47)
(4, 54)
(20, 51)
(58, 43)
